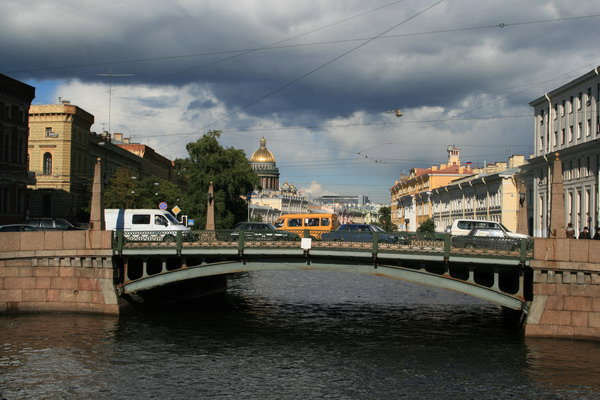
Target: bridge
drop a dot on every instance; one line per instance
(496, 273)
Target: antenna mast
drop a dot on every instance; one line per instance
(110, 75)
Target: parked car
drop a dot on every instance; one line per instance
(487, 238)
(50, 224)
(17, 228)
(361, 233)
(261, 231)
(465, 226)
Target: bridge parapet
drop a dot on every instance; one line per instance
(566, 288)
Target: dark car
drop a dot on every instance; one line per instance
(360, 233)
(17, 228)
(486, 238)
(261, 231)
(50, 224)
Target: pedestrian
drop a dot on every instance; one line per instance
(585, 233)
(597, 235)
(570, 231)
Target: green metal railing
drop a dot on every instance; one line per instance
(377, 242)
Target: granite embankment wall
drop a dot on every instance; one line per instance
(57, 271)
(566, 288)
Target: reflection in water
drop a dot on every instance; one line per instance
(294, 335)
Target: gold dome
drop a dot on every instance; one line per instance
(262, 155)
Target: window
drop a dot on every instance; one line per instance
(588, 100)
(579, 130)
(562, 137)
(47, 168)
(311, 222)
(295, 222)
(570, 104)
(325, 222)
(579, 100)
(555, 138)
(49, 132)
(160, 220)
(542, 117)
(570, 133)
(562, 109)
(555, 110)
(588, 131)
(140, 219)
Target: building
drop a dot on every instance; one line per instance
(411, 195)
(270, 200)
(15, 100)
(567, 122)
(62, 153)
(356, 200)
(491, 194)
(263, 163)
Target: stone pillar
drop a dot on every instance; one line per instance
(557, 212)
(97, 206)
(522, 220)
(210, 209)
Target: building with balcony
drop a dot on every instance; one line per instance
(491, 194)
(567, 122)
(15, 100)
(411, 195)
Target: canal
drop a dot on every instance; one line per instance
(295, 335)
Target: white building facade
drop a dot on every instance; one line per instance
(567, 122)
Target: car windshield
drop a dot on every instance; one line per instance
(171, 219)
(377, 228)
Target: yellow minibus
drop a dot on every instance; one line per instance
(316, 224)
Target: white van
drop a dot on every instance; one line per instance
(464, 226)
(143, 224)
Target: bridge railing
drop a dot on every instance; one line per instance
(378, 242)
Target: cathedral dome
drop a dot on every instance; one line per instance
(262, 155)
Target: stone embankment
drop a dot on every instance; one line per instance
(57, 271)
(566, 288)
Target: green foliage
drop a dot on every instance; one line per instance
(228, 170)
(427, 226)
(123, 190)
(385, 218)
(126, 190)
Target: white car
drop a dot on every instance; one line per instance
(462, 227)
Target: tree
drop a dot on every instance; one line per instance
(126, 190)
(123, 190)
(427, 226)
(228, 170)
(385, 218)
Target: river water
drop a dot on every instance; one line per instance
(295, 335)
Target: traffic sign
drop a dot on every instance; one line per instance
(191, 221)
(163, 205)
(176, 210)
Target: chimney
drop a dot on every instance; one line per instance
(126, 140)
(118, 136)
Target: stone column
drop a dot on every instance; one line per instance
(522, 220)
(557, 212)
(210, 209)
(97, 206)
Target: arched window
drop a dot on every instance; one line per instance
(47, 164)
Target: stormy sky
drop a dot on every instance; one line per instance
(319, 79)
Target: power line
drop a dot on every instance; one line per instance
(312, 71)
(275, 47)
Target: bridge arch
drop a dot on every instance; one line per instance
(499, 284)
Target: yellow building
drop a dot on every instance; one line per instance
(410, 196)
(491, 195)
(62, 154)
